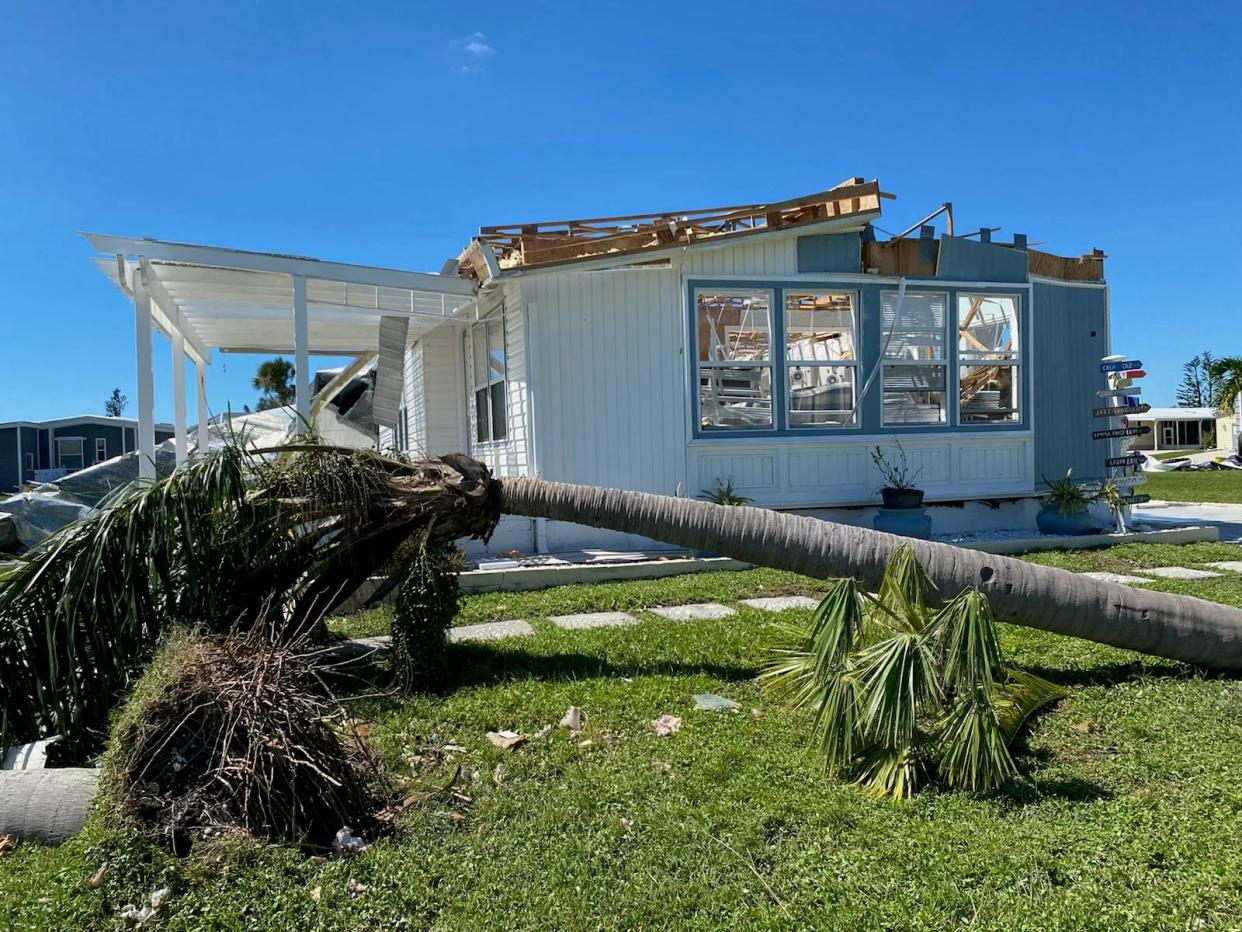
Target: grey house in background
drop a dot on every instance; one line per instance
(44, 451)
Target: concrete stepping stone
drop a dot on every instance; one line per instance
(693, 611)
(593, 620)
(491, 631)
(1233, 566)
(780, 603)
(1120, 578)
(1178, 572)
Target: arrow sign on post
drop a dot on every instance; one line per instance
(1118, 410)
(1135, 499)
(1119, 432)
(1120, 390)
(1135, 459)
(1124, 365)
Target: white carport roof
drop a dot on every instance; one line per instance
(207, 297)
(240, 301)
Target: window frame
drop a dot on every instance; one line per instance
(870, 336)
(943, 363)
(479, 330)
(81, 441)
(769, 364)
(30, 463)
(854, 365)
(973, 358)
(101, 442)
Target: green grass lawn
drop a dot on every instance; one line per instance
(1172, 454)
(1219, 485)
(1129, 816)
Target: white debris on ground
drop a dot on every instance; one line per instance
(505, 739)
(666, 725)
(572, 719)
(710, 702)
(346, 840)
(138, 915)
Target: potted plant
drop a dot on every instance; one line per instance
(899, 490)
(902, 512)
(1065, 508)
(1110, 495)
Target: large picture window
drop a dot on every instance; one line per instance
(821, 358)
(734, 336)
(70, 453)
(988, 355)
(915, 369)
(488, 373)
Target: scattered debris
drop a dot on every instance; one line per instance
(710, 702)
(628, 825)
(756, 713)
(141, 915)
(355, 888)
(572, 719)
(585, 743)
(453, 749)
(346, 840)
(666, 725)
(505, 739)
(7, 844)
(96, 879)
(543, 732)
(1085, 727)
(315, 894)
(498, 775)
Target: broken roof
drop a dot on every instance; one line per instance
(555, 242)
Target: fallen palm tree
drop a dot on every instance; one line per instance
(228, 541)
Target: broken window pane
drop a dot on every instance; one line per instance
(735, 397)
(987, 394)
(734, 326)
(987, 326)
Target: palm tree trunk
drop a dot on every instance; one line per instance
(1178, 627)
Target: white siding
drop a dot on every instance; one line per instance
(509, 457)
(609, 382)
(442, 414)
(761, 255)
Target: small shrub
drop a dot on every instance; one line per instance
(1067, 495)
(723, 494)
(426, 604)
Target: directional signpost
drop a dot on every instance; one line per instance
(1120, 374)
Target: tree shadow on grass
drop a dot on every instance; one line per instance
(480, 665)
(1114, 674)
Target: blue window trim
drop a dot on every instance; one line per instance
(870, 420)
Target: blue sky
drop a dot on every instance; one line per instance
(387, 133)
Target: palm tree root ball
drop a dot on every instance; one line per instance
(234, 734)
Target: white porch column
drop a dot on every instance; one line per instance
(301, 349)
(178, 374)
(201, 380)
(146, 387)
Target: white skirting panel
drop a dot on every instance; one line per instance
(839, 470)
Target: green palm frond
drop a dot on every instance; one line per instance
(973, 752)
(906, 591)
(805, 661)
(837, 722)
(893, 772)
(965, 634)
(1021, 696)
(898, 679)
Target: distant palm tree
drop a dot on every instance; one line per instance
(273, 380)
(1228, 371)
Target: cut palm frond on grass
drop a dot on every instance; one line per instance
(903, 687)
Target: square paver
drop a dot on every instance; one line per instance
(1120, 578)
(694, 611)
(593, 620)
(780, 603)
(1178, 572)
(1233, 566)
(491, 631)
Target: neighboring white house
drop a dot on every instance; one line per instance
(1174, 428)
(772, 346)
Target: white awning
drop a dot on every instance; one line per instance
(205, 298)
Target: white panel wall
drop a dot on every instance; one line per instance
(609, 378)
(510, 457)
(441, 424)
(839, 470)
(760, 256)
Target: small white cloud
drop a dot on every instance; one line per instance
(475, 50)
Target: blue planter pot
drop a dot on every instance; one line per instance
(908, 522)
(1051, 521)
